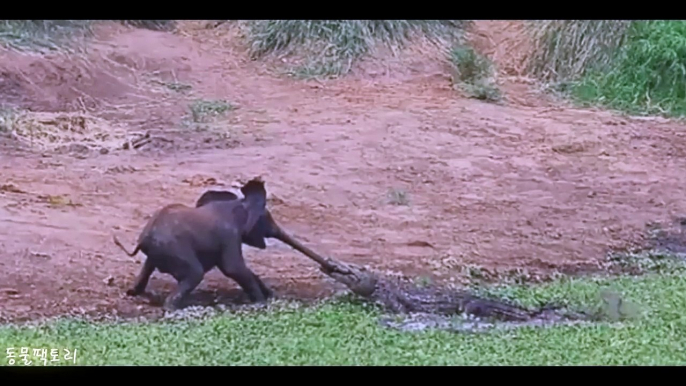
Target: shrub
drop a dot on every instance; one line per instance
(473, 73)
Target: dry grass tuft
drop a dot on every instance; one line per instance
(41, 35)
(566, 49)
(50, 131)
(329, 48)
(155, 25)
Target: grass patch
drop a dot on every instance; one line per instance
(155, 25)
(648, 76)
(178, 87)
(638, 67)
(348, 333)
(649, 261)
(202, 109)
(38, 35)
(473, 73)
(8, 118)
(566, 49)
(646, 261)
(329, 48)
(52, 35)
(398, 197)
(209, 116)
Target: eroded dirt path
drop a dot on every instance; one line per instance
(509, 186)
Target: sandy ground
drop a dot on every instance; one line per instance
(527, 184)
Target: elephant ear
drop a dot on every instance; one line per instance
(254, 204)
(215, 195)
(254, 238)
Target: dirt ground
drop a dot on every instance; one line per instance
(527, 184)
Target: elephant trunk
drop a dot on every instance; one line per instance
(284, 237)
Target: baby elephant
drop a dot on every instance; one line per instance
(188, 242)
(264, 228)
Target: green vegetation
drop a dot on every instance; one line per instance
(177, 86)
(42, 34)
(59, 34)
(633, 66)
(8, 118)
(202, 110)
(208, 115)
(564, 49)
(398, 197)
(651, 332)
(330, 47)
(474, 74)
(155, 25)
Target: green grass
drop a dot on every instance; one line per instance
(638, 67)
(331, 47)
(648, 76)
(204, 109)
(474, 74)
(347, 333)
